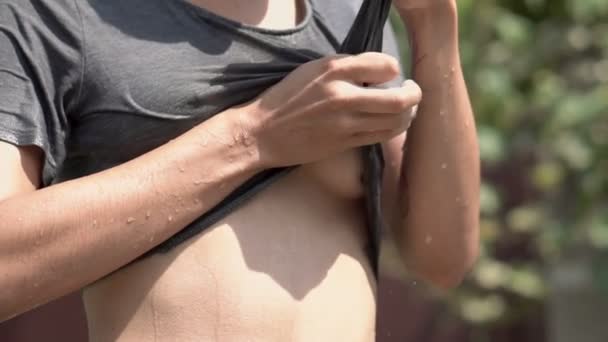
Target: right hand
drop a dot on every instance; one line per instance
(322, 108)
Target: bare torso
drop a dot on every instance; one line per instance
(288, 266)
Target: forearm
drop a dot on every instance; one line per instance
(439, 233)
(56, 240)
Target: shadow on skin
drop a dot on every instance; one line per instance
(278, 245)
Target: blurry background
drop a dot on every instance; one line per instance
(537, 71)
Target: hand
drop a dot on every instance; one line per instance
(322, 108)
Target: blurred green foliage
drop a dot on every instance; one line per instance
(537, 71)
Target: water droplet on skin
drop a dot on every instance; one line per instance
(444, 166)
(94, 223)
(458, 199)
(247, 139)
(198, 182)
(442, 112)
(170, 218)
(453, 70)
(152, 238)
(428, 239)
(176, 210)
(148, 214)
(36, 285)
(181, 169)
(130, 220)
(414, 283)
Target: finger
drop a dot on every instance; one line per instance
(374, 137)
(374, 100)
(367, 68)
(362, 122)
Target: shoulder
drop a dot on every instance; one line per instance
(39, 7)
(42, 14)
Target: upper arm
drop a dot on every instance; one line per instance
(41, 56)
(21, 169)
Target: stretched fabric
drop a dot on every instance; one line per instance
(366, 34)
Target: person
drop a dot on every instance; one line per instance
(115, 136)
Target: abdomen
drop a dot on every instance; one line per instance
(288, 266)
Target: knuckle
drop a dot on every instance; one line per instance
(344, 122)
(331, 90)
(333, 65)
(335, 95)
(383, 62)
(391, 64)
(400, 102)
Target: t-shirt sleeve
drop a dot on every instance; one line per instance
(40, 75)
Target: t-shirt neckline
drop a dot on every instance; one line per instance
(207, 14)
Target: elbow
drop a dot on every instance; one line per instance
(448, 274)
(443, 267)
(445, 278)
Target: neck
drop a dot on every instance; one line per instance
(270, 14)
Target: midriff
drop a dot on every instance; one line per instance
(290, 265)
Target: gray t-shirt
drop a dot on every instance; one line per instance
(95, 83)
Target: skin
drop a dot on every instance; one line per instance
(304, 274)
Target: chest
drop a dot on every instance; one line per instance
(151, 77)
